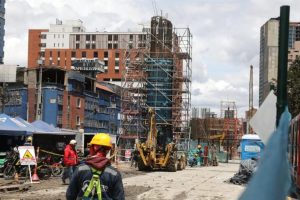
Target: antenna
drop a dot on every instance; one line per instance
(154, 7)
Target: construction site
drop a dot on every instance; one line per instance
(158, 76)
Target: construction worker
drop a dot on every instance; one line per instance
(70, 160)
(200, 154)
(28, 141)
(96, 178)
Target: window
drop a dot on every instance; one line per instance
(115, 37)
(106, 79)
(57, 44)
(54, 36)
(115, 46)
(77, 46)
(88, 37)
(130, 46)
(109, 37)
(58, 63)
(54, 44)
(73, 54)
(42, 45)
(77, 37)
(130, 37)
(78, 102)
(83, 54)
(58, 54)
(77, 120)
(93, 46)
(110, 46)
(105, 54)
(93, 37)
(95, 54)
(117, 71)
(50, 52)
(117, 63)
(88, 46)
(43, 36)
(105, 62)
(42, 54)
(117, 55)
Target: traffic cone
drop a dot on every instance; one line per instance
(35, 177)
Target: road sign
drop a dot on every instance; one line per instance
(27, 155)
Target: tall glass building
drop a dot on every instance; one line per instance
(2, 22)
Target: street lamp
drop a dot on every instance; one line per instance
(39, 95)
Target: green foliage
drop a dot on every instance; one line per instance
(293, 87)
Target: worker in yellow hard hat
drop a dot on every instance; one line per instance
(28, 141)
(96, 178)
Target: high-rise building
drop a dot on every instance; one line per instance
(63, 43)
(268, 63)
(2, 31)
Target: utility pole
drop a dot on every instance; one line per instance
(39, 94)
(282, 61)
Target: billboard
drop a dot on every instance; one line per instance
(8, 73)
(88, 65)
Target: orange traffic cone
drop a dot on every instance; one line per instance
(35, 177)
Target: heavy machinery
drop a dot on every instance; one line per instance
(153, 155)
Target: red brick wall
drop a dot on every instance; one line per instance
(73, 112)
(34, 41)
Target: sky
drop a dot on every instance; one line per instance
(225, 36)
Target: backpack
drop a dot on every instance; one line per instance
(94, 186)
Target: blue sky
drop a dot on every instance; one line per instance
(225, 35)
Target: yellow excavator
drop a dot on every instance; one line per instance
(154, 156)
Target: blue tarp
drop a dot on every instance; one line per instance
(39, 124)
(44, 128)
(13, 127)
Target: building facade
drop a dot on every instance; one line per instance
(268, 63)
(2, 31)
(66, 103)
(62, 43)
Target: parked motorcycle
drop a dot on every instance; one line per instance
(13, 165)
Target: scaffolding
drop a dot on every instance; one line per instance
(158, 75)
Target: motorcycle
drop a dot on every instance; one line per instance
(13, 165)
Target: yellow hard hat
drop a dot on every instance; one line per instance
(199, 146)
(101, 139)
(29, 139)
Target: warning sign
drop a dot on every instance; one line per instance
(27, 155)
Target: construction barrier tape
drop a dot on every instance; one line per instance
(55, 154)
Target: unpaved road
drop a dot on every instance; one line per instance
(199, 183)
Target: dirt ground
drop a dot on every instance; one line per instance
(205, 183)
(53, 189)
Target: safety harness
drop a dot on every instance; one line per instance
(94, 185)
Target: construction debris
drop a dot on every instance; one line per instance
(246, 170)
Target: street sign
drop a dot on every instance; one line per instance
(27, 155)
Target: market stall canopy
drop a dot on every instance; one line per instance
(12, 127)
(45, 128)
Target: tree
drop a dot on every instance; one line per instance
(293, 87)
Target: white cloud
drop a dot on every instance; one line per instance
(225, 35)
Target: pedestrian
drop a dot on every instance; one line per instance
(70, 161)
(96, 178)
(200, 154)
